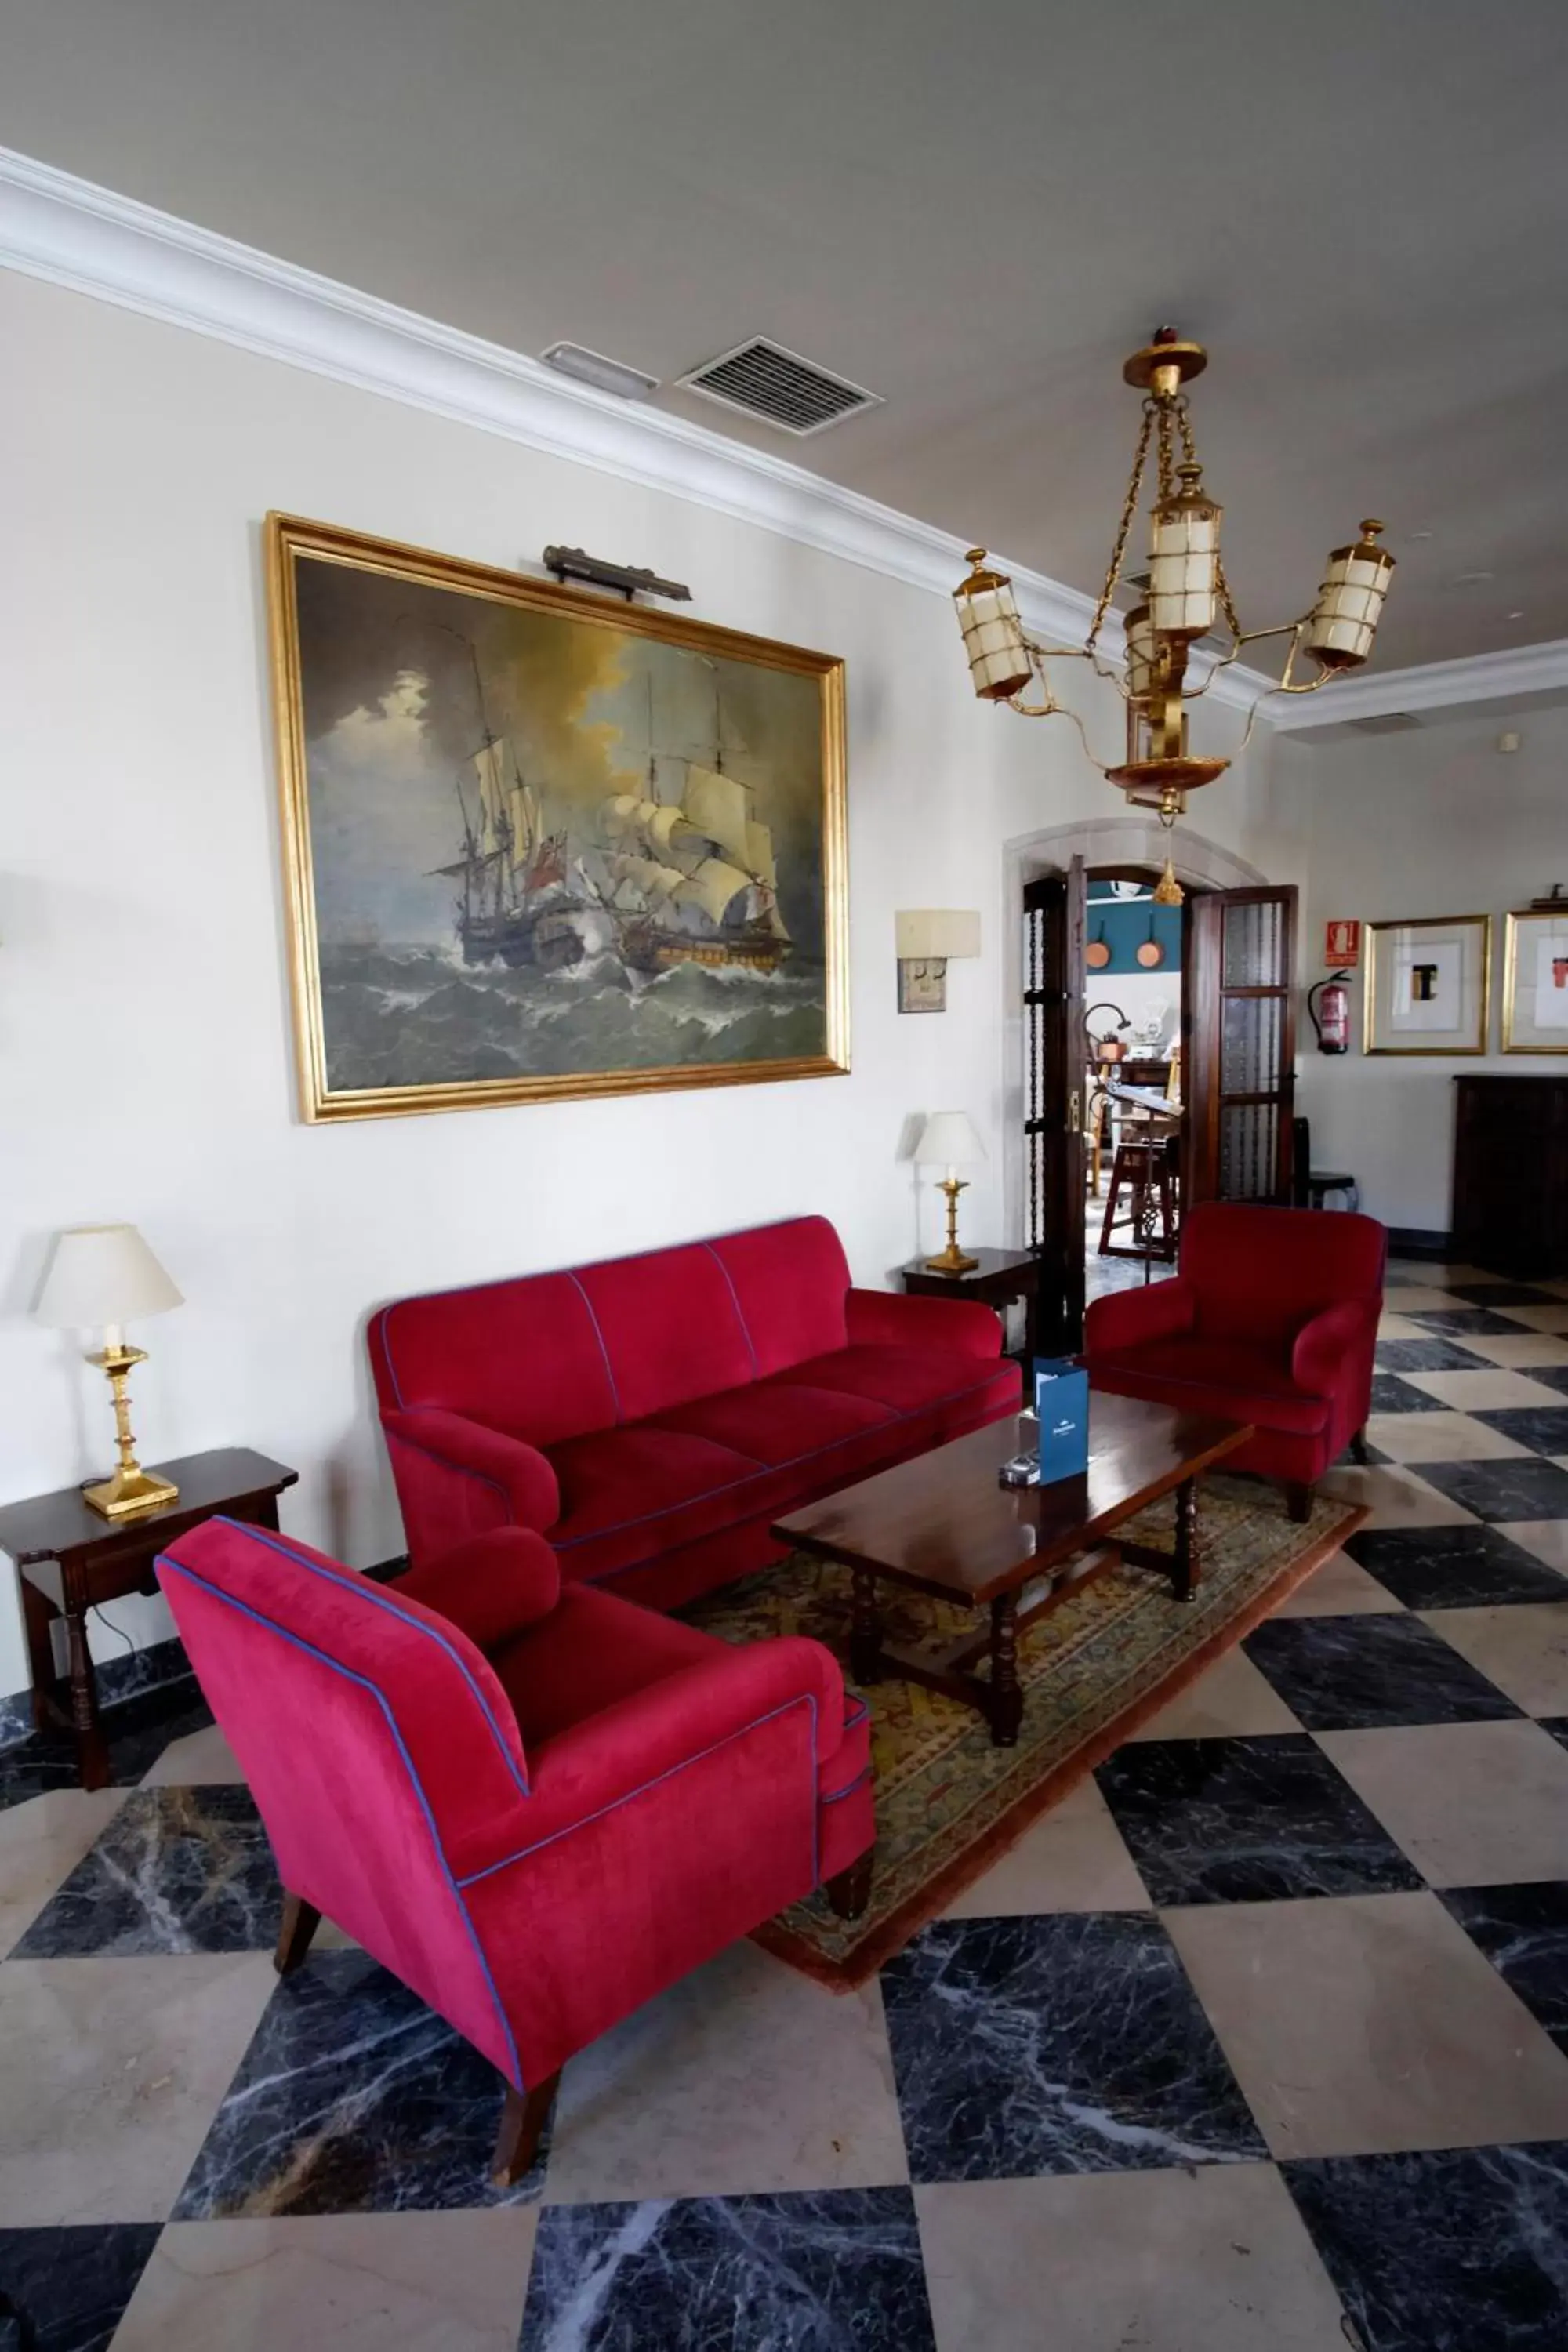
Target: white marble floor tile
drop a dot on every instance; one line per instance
(1547, 1538)
(352, 2282)
(203, 1759)
(1340, 1588)
(744, 2077)
(1417, 1298)
(1472, 1804)
(1399, 1327)
(1439, 1437)
(1393, 1496)
(1230, 1700)
(1362, 2023)
(1215, 2259)
(1521, 1354)
(111, 2071)
(41, 1842)
(1495, 1392)
(1523, 1650)
(1073, 1859)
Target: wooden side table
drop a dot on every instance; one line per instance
(1000, 1278)
(68, 1560)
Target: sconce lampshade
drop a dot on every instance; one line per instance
(102, 1275)
(999, 662)
(948, 1140)
(924, 934)
(1349, 601)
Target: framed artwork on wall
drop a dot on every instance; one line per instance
(537, 844)
(1428, 985)
(1535, 980)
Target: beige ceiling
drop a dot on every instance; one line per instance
(975, 211)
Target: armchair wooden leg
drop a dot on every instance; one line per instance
(1358, 1447)
(300, 1921)
(522, 2119)
(849, 1894)
(1299, 1496)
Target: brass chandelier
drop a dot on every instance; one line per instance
(1181, 595)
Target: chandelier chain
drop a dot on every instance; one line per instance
(1129, 509)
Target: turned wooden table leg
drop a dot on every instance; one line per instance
(523, 2118)
(1187, 1565)
(866, 1628)
(1006, 1699)
(300, 1921)
(38, 1619)
(91, 1748)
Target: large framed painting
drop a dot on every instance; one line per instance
(1535, 979)
(540, 844)
(1428, 985)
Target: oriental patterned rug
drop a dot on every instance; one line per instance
(1093, 1671)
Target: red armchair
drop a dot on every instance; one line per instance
(1271, 1319)
(536, 1804)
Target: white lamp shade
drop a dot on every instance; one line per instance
(924, 933)
(102, 1273)
(948, 1140)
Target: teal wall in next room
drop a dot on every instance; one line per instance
(1123, 923)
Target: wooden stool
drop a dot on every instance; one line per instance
(1146, 1173)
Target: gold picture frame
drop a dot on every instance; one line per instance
(448, 727)
(1454, 954)
(1541, 928)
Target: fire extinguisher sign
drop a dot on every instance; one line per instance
(1342, 945)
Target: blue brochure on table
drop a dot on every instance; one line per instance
(1061, 1403)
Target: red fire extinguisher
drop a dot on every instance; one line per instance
(1331, 1016)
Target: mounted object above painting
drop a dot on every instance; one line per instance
(540, 845)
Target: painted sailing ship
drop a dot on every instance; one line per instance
(693, 879)
(517, 904)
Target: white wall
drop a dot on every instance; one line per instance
(1430, 820)
(144, 1054)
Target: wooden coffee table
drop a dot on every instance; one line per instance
(943, 1524)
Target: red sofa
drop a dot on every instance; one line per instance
(534, 1803)
(1270, 1319)
(652, 1416)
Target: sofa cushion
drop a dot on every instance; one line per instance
(671, 1328)
(1222, 1377)
(790, 1282)
(525, 1357)
(590, 1652)
(646, 1487)
(1259, 1274)
(907, 1379)
(779, 1421)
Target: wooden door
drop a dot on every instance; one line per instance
(1239, 1020)
(1054, 1059)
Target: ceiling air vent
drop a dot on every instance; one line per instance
(1390, 722)
(761, 379)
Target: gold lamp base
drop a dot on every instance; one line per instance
(952, 1260)
(130, 1490)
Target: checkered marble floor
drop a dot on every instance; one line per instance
(1261, 2038)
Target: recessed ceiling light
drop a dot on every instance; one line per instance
(1470, 579)
(1413, 535)
(1514, 617)
(606, 376)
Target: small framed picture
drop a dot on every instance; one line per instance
(922, 985)
(1535, 980)
(1428, 985)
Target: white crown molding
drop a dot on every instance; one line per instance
(71, 233)
(1433, 685)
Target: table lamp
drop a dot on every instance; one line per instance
(107, 1274)
(948, 1137)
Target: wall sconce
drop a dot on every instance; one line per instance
(925, 937)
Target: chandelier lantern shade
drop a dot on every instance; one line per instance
(999, 662)
(1349, 601)
(1184, 559)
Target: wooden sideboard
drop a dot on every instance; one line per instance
(1510, 1174)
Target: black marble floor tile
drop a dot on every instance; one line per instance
(1456, 2250)
(1517, 1489)
(1557, 1726)
(1454, 1322)
(1544, 1429)
(1524, 1931)
(1550, 1376)
(353, 2098)
(1069, 2043)
(834, 2271)
(1247, 1820)
(138, 1731)
(1341, 1674)
(66, 2289)
(1501, 1294)
(177, 1870)
(1392, 1394)
(1428, 1356)
(1471, 1567)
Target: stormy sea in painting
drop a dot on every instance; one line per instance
(420, 1015)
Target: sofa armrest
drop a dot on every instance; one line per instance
(891, 1318)
(492, 1587)
(1320, 1351)
(1131, 1318)
(517, 1473)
